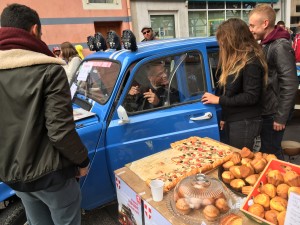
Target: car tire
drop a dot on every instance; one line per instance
(13, 214)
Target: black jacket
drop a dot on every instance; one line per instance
(39, 144)
(241, 98)
(279, 96)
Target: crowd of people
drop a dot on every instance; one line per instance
(256, 90)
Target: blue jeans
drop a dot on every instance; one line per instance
(243, 133)
(59, 204)
(270, 138)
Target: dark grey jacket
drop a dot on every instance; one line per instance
(279, 96)
(39, 144)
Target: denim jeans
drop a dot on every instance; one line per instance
(243, 133)
(59, 204)
(270, 138)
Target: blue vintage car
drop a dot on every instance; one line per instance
(117, 127)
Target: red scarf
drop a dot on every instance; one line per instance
(16, 38)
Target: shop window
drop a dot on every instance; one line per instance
(197, 24)
(216, 5)
(215, 18)
(163, 25)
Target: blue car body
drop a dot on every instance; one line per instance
(111, 142)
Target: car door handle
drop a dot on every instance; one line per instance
(206, 116)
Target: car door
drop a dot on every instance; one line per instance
(152, 130)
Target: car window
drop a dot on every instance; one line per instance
(166, 82)
(95, 79)
(213, 64)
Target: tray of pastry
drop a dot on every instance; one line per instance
(201, 198)
(242, 171)
(267, 202)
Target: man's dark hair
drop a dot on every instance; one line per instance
(20, 16)
(281, 23)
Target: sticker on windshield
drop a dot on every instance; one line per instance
(73, 89)
(102, 64)
(84, 71)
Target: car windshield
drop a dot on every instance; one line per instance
(95, 79)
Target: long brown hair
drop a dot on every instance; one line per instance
(68, 51)
(237, 48)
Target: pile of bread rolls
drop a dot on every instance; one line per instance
(243, 169)
(271, 202)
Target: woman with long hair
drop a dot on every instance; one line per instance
(70, 55)
(242, 73)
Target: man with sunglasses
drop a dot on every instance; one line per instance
(148, 34)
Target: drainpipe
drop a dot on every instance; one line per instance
(288, 13)
(129, 13)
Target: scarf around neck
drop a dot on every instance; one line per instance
(16, 38)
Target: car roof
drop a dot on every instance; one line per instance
(150, 48)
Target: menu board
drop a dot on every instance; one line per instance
(292, 213)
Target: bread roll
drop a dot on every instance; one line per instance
(252, 179)
(262, 199)
(246, 153)
(259, 164)
(269, 189)
(292, 178)
(211, 212)
(269, 157)
(231, 219)
(237, 184)
(278, 203)
(236, 158)
(271, 216)
(275, 177)
(282, 190)
(245, 161)
(247, 189)
(182, 206)
(227, 177)
(257, 210)
(227, 165)
(246, 171)
(294, 189)
(281, 217)
(258, 155)
(222, 205)
(235, 170)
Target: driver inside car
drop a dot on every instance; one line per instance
(154, 93)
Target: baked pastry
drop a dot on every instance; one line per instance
(246, 171)
(281, 217)
(275, 177)
(294, 189)
(269, 157)
(182, 206)
(211, 212)
(227, 177)
(231, 219)
(258, 155)
(292, 178)
(245, 161)
(257, 210)
(194, 203)
(208, 201)
(258, 164)
(271, 216)
(222, 205)
(237, 184)
(262, 199)
(268, 189)
(235, 170)
(227, 165)
(236, 158)
(282, 190)
(252, 179)
(246, 153)
(278, 203)
(246, 190)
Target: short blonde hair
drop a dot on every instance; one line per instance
(266, 11)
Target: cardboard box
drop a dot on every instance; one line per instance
(274, 164)
(130, 203)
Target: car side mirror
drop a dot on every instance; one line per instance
(122, 114)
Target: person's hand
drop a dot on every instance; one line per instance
(278, 126)
(134, 90)
(151, 97)
(209, 98)
(222, 124)
(82, 171)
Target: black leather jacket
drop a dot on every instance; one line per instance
(279, 96)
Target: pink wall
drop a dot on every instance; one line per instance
(64, 10)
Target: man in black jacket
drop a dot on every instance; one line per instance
(41, 152)
(282, 85)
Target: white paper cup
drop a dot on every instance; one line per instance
(157, 190)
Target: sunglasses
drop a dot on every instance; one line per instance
(146, 32)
